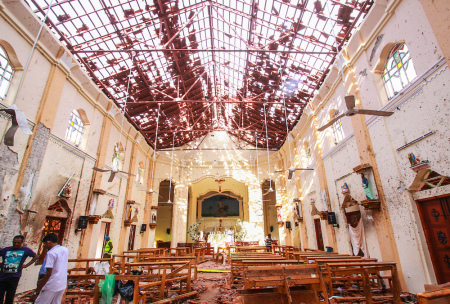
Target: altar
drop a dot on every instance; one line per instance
(218, 239)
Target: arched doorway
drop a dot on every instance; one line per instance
(270, 211)
(163, 235)
(55, 222)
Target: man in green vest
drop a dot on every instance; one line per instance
(107, 251)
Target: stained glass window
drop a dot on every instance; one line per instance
(307, 153)
(338, 133)
(6, 73)
(399, 70)
(117, 159)
(140, 173)
(74, 131)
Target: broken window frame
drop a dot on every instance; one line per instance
(75, 129)
(399, 70)
(338, 132)
(6, 73)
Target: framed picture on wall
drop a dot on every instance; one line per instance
(297, 208)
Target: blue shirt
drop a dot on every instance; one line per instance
(12, 261)
(43, 270)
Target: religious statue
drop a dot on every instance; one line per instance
(279, 215)
(116, 156)
(413, 159)
(220, 181)
(230, 235)
(129, 213)
(365, 184)
(153, 218)
(345, 189)
(111, 203)
(297, 214)
(66, 191)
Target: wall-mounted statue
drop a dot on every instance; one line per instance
(413, 159)
(365, 184)
(345, 189)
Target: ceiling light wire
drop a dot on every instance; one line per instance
(124, 110)
(171, 166)
(154, 151)
(267, 141)
(338, 54)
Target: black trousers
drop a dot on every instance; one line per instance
(9, 287)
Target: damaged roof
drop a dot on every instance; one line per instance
(203, 66)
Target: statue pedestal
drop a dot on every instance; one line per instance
(371, 204)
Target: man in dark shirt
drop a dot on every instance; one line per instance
(13, 259)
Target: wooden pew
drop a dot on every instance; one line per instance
(158, 266)
(151, 285)
(255, 248)
(88, 286)
(84, 265)
(236, 263)
(425, 297)
(239, 269)
(121, 266)
(265, 284)
(370, 275)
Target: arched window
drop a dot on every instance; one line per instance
(118, 156)
(399, 70)
(74, 132)
(6, 73)
(140, 173)
(307, 150)
(338, 133)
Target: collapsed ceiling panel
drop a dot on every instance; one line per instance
(206, 66)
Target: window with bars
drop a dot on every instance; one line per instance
(338, 133)
(74, 132)
(6, 73)
(399, 70)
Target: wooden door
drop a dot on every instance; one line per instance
(107, 228)
(51, 225)
(319, 237)
(131, 238)
(435, 216)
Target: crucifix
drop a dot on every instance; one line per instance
(220, 181)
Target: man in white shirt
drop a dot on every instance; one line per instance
(52, 286)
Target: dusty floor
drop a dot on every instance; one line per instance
(212, 287)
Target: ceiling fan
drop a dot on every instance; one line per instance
(150, 191)
(114, 170)
(353, 110)
(270, 190)
(350, 101)
(291, 170)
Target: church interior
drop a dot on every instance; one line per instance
(191, 130)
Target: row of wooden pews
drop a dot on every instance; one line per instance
(154, 273)
(308, 276)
